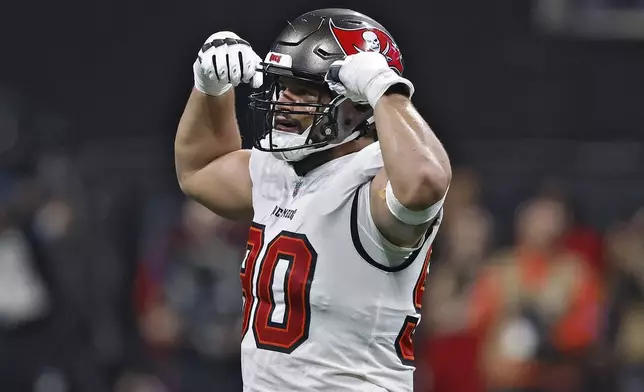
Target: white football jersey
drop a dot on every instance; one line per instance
(329, 304)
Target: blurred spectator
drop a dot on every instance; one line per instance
(46, 311)
(625, 322)
(579, 236)
(136, 382)
(190, 302)
(588, 243)
(25, 300)
(464, 192)
(23, 295)
(447, 344)
(536, 307)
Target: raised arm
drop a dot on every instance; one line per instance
(406, 196)
(211, 166)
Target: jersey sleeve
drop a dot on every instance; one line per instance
(373, 246)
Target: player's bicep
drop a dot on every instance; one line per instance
(223, 186)
(395, 231)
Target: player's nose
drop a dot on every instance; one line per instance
(286, 99)
(287, 96)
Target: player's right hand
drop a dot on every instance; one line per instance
(225, 61)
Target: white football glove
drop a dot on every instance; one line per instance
(225, 61)
(364, 77)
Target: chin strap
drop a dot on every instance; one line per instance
(370, 127)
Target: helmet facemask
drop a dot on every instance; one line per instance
(334, 120)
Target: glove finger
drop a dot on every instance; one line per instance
(203, 63)
(333, 74)
(199, 67)
(257, 79)
(219, 63)
(222, 35)
(248, 60)
(337, 88)
(234, 65)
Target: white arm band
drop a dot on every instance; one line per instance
(407, 216)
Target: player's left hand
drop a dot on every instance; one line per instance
(364, 77)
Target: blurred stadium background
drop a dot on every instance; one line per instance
(111, 281)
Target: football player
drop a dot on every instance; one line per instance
(344, 186)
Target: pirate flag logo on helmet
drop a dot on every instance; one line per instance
(353, 41)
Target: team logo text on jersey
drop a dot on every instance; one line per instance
(280, 212)
(359, 40)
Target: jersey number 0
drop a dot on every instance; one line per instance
(293, 329)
